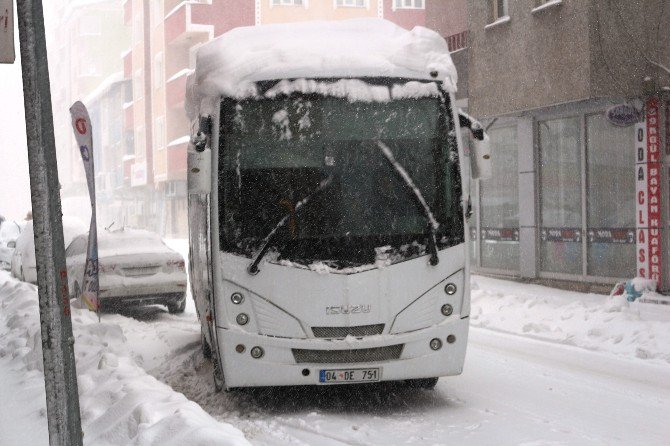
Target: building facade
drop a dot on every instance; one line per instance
(166, 35)
(576, 96)
(84, 42)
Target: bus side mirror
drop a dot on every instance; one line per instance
(480, 155)
(199, 159)
(480, 158)
(199, 165)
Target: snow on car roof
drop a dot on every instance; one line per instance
(128, 241)
(357, 48)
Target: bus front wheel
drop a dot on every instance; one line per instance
(422, 383)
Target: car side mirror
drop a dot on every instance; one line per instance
(11, 244)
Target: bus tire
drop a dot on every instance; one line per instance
(217, 373)
(422, 383)
(204, 345)
(177, 307)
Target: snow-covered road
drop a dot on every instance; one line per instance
(514, 390)
(544, 367)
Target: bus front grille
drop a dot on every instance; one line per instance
(348, 356)
(342, 332)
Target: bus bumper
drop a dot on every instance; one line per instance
(287, 362)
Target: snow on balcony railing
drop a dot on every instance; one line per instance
(181, 140)
(180, 73)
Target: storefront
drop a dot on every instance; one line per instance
(562, 200)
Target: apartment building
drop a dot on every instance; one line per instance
(85, 40)
(165, 37)
(577, 97)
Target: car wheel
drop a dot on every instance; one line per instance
(76, 290)
(423, 383)
(177, 307)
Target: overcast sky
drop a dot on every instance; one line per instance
(14, 180)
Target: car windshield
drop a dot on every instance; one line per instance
(277, 152)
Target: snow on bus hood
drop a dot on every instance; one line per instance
(232, 63)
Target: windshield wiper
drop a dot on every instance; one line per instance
(253, 268)
(433, 225)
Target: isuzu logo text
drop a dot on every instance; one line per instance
(348, 309)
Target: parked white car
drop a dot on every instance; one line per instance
(9, 232)
(24, 266)
(135, 268)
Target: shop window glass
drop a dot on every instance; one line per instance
(610, 199)
(561, 195)
(499, 232)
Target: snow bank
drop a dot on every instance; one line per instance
(120, 404)
(591, 321)
(231, 64)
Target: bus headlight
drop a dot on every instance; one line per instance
(450, 289)
(257, 352)
(237, 298)
(242, 319)
(435, 344)
(447, 309)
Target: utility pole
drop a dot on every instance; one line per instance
(60, 377)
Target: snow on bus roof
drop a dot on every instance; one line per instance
(232, 63)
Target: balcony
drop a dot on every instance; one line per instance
(127, 12)
(128, 118)
(176, 89)
(457, 41)
(179, 29)
(176, 159)
(127, 57)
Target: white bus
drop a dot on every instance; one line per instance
(329, 204)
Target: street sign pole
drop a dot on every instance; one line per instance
(60, 378)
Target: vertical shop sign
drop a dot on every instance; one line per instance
(648, 193)
(81, 123)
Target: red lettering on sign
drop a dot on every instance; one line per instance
(80, 125)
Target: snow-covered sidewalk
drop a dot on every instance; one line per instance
(590, 321)
(120, 403)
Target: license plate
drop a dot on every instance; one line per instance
(347, 376)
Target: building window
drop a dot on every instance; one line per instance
(157, 12)
(138, 85)
(89, 68)
(90, 26)
(561, 195)
(499, 205)
(158, 70)
(159, 132)
(288, 2)
(498, 9)
(351, 3)
(610, 199)
(408, 4)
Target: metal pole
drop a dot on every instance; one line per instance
(60, 377)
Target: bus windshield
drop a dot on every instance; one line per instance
(275, 153)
